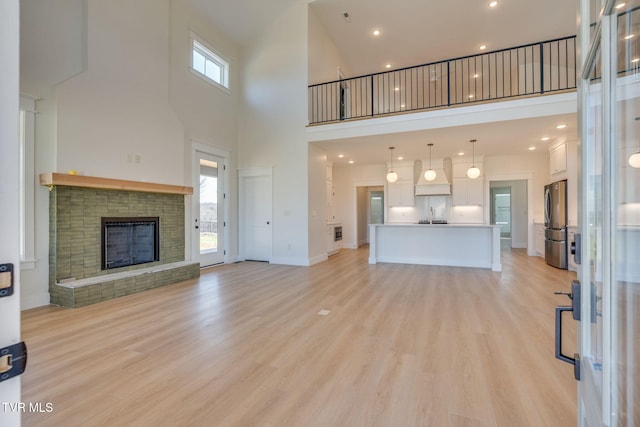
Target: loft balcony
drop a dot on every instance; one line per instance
(535, 69)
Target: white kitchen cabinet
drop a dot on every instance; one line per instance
(558, 159)
(539, 229)
(401, 193)
(467, 192)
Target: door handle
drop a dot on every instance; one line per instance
(574, 295)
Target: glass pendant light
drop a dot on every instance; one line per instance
(391, 175)
(430, 174)
(473, 172)
(634, 159)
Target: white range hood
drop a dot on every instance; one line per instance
(438, 187)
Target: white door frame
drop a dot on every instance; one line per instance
(242, 230)
(531, 235)
(197, 147)
(10, 191)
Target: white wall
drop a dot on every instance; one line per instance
(9, 192)
(317, 204)
(118, 108)
(324, 57)
(272, 135)
(346, 181)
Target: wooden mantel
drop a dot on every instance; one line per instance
(51, 179)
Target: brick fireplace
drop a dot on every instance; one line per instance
(78, 207)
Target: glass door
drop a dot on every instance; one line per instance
(609, 221)
(209, 209)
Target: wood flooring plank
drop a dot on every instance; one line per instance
(244, 345)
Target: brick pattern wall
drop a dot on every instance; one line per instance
(75, 214)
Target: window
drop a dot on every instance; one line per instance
(27, 181)
(207, 64)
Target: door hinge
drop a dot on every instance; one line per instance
(6, 280)
(224, 252)
(13, 361)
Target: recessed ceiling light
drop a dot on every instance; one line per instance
(620, 5)
(544, 138)
(388, 66)
(340, 156)
(483, 47)
(629, 36)
(561, 126)
(475, 76)
(396, 89)
(493, 4)
(400, 158)
(351, 162)
(532, 148)
(461, 153)
(376, 32)
(634, 60)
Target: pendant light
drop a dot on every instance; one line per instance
(473, 172)
(634, 159)
(430, 174)
(391, 175)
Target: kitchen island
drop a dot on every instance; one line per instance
(456, 245)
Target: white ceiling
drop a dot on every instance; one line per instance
(415, 32)
(497, 138)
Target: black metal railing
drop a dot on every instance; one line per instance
(628, 49)
(536, 68)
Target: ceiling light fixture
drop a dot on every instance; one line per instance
(475, 76)
(620, 5)
(544, 138)
(629, 36)
(388, 66)
(634, 159)
(430, 174)
(351, 162)
(561, 126)
(392, 176)
(473, 172)
(532, 148)
(493, 4)
(460, 153)
(634, 60)
(376, 32)
(483, 47)
(340, 156)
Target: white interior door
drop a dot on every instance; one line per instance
(609, 222)
(256, 211)
(208, 208)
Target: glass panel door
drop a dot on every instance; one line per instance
(610, 222)
(209, 207)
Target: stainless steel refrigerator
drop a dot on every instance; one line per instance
(555, 223)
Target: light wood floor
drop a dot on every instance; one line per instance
(403, 345)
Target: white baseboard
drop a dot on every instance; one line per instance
(33, 301)
(301, 262)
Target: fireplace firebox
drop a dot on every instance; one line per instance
(129, 241)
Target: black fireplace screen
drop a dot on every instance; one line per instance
(129, 241)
